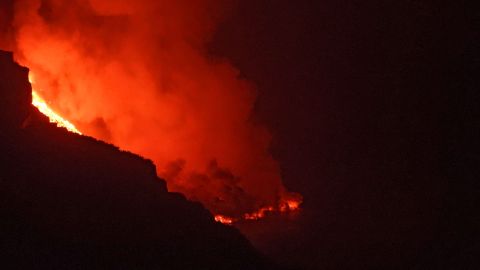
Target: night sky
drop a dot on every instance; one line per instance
(374, 111)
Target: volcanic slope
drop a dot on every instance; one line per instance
(71, 202)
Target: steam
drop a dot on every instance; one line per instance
(137, 74)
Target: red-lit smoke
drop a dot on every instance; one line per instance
(137, 74)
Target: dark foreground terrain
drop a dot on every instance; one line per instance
(71, 202)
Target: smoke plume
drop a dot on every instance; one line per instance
(136, 73)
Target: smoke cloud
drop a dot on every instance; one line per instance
(137, 74)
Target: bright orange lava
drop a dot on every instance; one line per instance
(43, 107)
(284, 207)
(224, 219)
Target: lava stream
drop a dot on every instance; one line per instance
(43, 107)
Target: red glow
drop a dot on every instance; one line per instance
(224, 219)
(136, 74)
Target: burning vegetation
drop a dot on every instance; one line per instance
(137, 74)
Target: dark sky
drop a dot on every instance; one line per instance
(374, 112)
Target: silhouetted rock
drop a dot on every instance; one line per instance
(71, 202)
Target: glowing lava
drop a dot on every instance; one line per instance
(43, 107)
(224, 219)
(286, 206)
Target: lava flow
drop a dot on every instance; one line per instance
(43, 107)
(290, 205)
